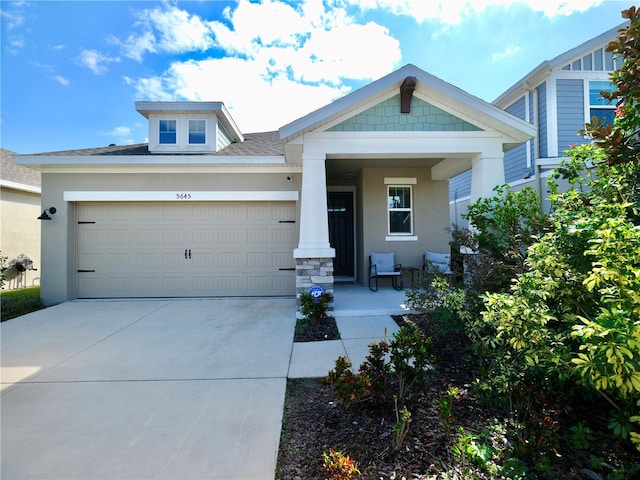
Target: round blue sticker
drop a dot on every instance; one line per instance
(316, 291)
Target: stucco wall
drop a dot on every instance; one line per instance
(58, 252)
(431, 217)
(21, 229)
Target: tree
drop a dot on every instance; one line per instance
(571, 322)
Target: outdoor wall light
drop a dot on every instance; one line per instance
(289, 179)
(45, 215)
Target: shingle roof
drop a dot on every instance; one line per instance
(17, 173)
(255, 144)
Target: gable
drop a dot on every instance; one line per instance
(386, 116)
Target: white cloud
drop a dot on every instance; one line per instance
(282, 61)
(166, 29)
(120, 135)
(95, 61)
(453, 11)
(255, 103)
(508, 52)
(12, 18)
(61, 80)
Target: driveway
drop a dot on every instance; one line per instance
(183, 389)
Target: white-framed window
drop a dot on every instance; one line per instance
(167, 132)
(399, 210)
(598, 106)
(197, 132)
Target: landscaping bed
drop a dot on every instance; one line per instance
(451, 435)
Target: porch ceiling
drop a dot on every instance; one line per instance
(344, 168)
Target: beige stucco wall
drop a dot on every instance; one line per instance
(431, 217)
(58, 252)
(20, 230)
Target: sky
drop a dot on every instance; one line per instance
(71, 71)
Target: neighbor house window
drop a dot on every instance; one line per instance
(400, 210)
(598, 106)
(197, 131)
(168, 131)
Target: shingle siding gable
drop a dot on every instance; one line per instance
(386, 116)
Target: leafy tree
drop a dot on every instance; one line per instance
(571, 322)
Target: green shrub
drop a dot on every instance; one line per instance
(314, 308)
(446, 304)
(393, 370)
(14, 303)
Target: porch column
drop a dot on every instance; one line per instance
(314, 220)
(314, 255)
(487, 171)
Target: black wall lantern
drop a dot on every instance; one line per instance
(45, 215)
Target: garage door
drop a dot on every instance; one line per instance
(185, 249)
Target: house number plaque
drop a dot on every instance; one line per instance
(183, 196)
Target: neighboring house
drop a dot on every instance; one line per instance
(205, 210)
(558, 97)
(19, 226)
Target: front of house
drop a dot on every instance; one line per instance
(205, 210)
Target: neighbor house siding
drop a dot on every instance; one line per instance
(543, 147)
(570, 104)
(515, 160)
(460, 186)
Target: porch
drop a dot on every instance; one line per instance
(355, 300)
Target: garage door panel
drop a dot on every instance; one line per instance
(138, 250)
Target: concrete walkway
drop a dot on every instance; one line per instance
(172, 389)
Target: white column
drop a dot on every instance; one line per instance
(486, 173)
(314, 220)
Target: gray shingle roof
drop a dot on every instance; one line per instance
(255, 144)
(17, 173)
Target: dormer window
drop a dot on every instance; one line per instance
(197, 132)
(167, 132)
(189, 127)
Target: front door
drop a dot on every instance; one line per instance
(340, 207)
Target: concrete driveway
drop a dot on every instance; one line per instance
(183, 389)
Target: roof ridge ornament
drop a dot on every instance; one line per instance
(406, 93)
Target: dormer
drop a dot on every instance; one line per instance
(189, 127)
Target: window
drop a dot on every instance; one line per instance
(400, 210)
(598, 106)
(197, 131)
(168, 131)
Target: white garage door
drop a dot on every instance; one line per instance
(185, 249)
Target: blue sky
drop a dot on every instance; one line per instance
(71, 71)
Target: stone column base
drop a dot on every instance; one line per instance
(313, 272)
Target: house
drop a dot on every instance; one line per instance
(558, 97)
(204, 209)
(20, 229)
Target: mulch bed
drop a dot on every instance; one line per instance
(316, 330)
(314, 421)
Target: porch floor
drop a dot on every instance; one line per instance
(354, 300)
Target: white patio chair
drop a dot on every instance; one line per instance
(441, 262)
(383, 265)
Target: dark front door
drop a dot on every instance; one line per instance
(340, 205)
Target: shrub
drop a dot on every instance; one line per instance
(20, 302)
(504, 226)
(397, 369)
(446, 305)
(338, 466)
(314, 308)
